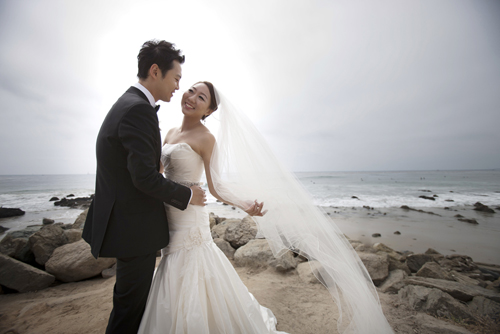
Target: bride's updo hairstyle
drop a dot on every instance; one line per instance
(214, 104)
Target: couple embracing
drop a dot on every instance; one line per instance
(148, 197)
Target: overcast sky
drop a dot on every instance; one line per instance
(332, 85)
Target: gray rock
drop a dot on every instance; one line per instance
(377, 266)
(485, 306)
(18, 248)
(241, 232)
(416, 261)
(434, 270)
(47, 221)
(74, 262)
(463, 279)
(220, 229)
(257, 253)
(432, 251)
(310, 272)
(73, 235)
(457, 262)
(478, 206)
(45, 241)
(380, 247)
(109, 272)
(459, 291)
(225, 247)
(394, 264)
(394, 282)
(10, 212)
(21, 277)
(80, 221)
(212, 218)
(362, 248)
(285, 262)
(435, 302)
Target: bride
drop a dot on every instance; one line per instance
(195, 288)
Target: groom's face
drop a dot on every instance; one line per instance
(170, 82)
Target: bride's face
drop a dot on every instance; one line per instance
(196, 100)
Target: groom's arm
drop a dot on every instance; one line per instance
(137, 131)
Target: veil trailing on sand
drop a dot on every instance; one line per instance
(243, 168)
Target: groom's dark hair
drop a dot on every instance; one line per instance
(161, 53)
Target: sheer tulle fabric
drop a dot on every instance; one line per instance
(243, 168)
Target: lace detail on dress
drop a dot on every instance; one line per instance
(196, 238)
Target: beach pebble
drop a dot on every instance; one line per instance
(52, 199)
(376, 235)
(478, 206)
(397, 233)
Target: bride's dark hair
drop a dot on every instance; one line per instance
(213, 101)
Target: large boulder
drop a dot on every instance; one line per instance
(240, 233)
(416, 261)
(257, 253)
(219, 230)
(22, 277)
(45, 241)
(16, 244)
(225, 247)
(74, 262)
(435, 302)
(459, 291)
(377, 266)
(80, 220)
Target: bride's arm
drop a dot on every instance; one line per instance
(252, 208)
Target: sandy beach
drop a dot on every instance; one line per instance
(84, 307)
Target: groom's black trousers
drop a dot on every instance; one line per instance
(133, 281)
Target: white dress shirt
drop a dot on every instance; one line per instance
(152, 101)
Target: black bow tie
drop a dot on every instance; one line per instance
(157, 108)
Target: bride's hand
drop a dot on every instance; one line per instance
(255, 209)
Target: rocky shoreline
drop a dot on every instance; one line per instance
(460, 295)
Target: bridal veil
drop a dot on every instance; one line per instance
(243, 167)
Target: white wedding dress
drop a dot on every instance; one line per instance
(195, 288)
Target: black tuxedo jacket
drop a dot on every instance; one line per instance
(127, 217)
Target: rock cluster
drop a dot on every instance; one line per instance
(33, 258)
(453, 286)
(78, 202)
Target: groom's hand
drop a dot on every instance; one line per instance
(198, 197)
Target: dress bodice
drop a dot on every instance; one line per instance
(181, 164)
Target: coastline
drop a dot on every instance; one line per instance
(419, 230)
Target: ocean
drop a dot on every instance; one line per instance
(334, 191)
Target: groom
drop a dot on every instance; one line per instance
(127, 218)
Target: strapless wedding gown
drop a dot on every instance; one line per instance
(195, 288)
